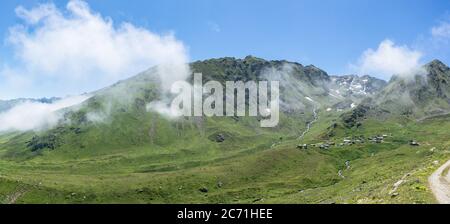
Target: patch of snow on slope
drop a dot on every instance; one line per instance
(309, 99)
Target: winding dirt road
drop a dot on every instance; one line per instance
(440, 183)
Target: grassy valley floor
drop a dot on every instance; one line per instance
(258, 170)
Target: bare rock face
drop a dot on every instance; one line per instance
(356, 86)
(418, 95)
(220, 138)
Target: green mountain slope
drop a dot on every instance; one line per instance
(111, 149)
(116, 117)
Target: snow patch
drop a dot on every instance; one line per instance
(334, 96)
(309, 99)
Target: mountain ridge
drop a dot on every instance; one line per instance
(417, 95)
(111, 149)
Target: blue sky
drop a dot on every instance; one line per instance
(331, 34)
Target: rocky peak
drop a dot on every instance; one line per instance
(357, 85)
(250, 68)
(436, 64)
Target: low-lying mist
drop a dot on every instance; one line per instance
(29, 115)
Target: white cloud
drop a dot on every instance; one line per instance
(35, 15)
(441, 31)
(34, 115)
(389, 59)
(75, 50)
(14, 80)
(214, 27)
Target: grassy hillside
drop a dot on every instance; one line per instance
(245, 171)
(112, 150)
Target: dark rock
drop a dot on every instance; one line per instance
(220, 138)
(414, 143)
(203, 190)
(49, 141)
(302, 146)
(257, 200)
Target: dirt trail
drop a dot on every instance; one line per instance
(12, 198)
(432, 116)
(440, 184)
